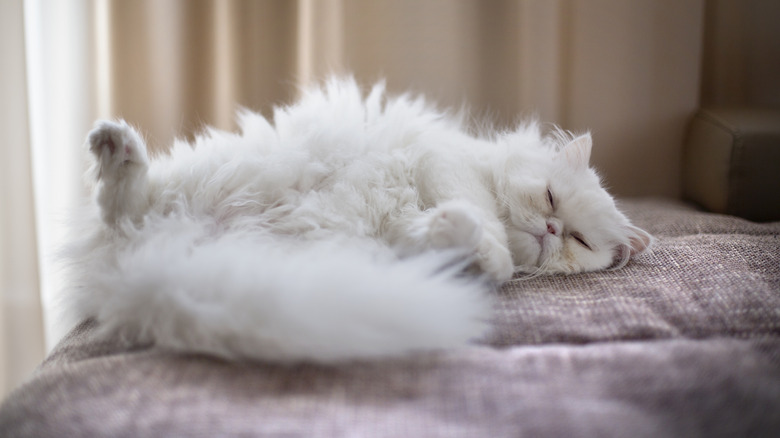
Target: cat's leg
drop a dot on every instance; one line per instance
(413, 230)
(463, 225)
(454, 224)
(459, 225)
(493, 253)
(120, 165)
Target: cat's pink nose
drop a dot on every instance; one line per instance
(552, 229)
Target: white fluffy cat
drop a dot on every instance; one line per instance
(343, 230)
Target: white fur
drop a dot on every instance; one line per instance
(340, 231)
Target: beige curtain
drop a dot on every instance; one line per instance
(21, 326)
(627, 70)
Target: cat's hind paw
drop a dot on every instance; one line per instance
(116, 145)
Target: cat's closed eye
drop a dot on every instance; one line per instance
(550, 198)
(580, 239)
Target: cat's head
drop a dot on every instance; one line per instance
(558, 216)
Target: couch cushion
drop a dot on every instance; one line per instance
(731, 162)
(684, 341)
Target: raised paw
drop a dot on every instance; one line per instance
(116, 145)
(455, 225)
(120, 166)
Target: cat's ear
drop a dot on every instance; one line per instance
(577, 151)
(638, 239)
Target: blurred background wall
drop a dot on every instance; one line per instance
(632, 72)
(741, 60)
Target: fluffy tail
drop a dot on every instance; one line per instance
(239, 297)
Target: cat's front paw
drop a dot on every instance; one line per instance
(116, 145)
(494, 259)
(454, 225)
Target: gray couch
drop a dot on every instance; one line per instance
(684, 341)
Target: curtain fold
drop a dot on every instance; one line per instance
(628, 71)
(21, 325)
(61, 76)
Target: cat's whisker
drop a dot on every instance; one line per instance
(525, 275)
(623, 258)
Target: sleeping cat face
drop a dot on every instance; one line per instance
(560, 219)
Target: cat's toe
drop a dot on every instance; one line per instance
(454, 225)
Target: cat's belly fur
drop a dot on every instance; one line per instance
(353, 197)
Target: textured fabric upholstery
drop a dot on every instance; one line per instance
(684, 341)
